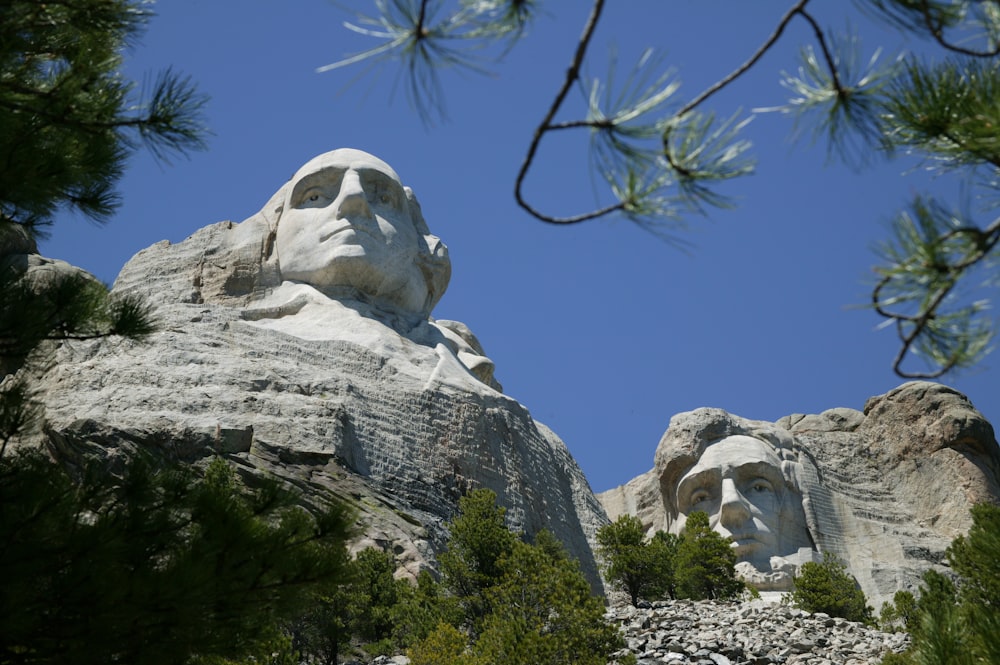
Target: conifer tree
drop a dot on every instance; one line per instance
(638, 567)
(543, 611)
(157, 567)
(479, 540)
(827, 587)
(68, 122)
(706, 563)
(961, 625)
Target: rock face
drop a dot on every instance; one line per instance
(754, 633)
(886, 489)
(337, 380)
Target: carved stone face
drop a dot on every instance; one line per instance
(347, 223)
(738, 481)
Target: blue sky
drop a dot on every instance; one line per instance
(602, 330)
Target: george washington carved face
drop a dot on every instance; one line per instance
(348, 222)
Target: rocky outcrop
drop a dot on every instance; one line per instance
(342, 385)
(753, 633)
(885, 489)
(332, 414)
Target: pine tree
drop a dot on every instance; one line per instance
(68, 119)
(479, 540)
(68, 122)
(706, 563)
(638, 567)
(153, 567)
(543, 611)
(536, 605)
(664, 153)
(962, 625)
(827, 587)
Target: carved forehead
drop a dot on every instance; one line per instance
(733, 452)
(345, 158)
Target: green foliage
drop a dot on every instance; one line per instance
(479, 540)
(896, 659)
(156, 567)
(974, 558)
(68, 119)
(536, 605)
(445, 645)
(543, 611)
(959, 626)
(637, 567)
(901, 613)
(68, 122)
(322, 632)
(705, 565)
(827, 587)
(421, 609)
(663, 159)
(373, 594)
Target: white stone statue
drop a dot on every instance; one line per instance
(350, 229)
(340, 252)
(300, 342)
(750, 477)
(749, 488)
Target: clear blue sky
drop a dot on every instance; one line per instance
(601, 330)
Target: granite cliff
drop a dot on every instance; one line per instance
(300, 343)
(337, 380)
(886, 489)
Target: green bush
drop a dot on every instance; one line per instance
(827, 587)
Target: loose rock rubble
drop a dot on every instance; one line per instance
(750, 633)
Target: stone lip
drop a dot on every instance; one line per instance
(885, 489)
(755, 632)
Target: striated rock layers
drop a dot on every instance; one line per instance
(398, 413)
(755, 633)
(886, 489)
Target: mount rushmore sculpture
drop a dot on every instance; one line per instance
(300, 343)
(885, 489)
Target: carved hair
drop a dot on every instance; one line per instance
(690, 434)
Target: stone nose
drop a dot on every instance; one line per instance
(352, 200)
(734, 509)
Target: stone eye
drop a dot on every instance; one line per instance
(699, 497)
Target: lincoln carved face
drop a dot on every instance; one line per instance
(348, 222)
(739, 482)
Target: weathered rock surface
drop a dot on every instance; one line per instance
(886, 489)
(321, 412)
(753, 633)
(343, 385)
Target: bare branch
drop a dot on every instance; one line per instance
(746, 66)
(572, 75)
(937, 31)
